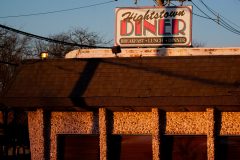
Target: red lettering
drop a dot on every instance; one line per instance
(175, 26)
(150, 27)
(161, 27)
(138, 28)
(124, 28)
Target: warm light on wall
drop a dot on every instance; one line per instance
(44, 55)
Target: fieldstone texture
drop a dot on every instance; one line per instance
(210, 133)
(35, 123)
(156, 133)
(186, 123)
(230, 123)
(132, 123)
(103, 133)
(71, 123)
(151, 123)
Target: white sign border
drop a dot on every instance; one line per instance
(153, 45)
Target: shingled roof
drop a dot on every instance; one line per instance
(170, 83)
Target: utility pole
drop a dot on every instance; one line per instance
(160, 2)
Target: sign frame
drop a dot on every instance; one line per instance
(157, 38)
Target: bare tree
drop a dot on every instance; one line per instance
(80, 36)
(159, 2)
(13, 48)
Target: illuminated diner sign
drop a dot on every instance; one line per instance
(153, 26)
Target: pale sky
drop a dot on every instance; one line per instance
(101, 18)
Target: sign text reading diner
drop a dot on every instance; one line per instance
(153, 26)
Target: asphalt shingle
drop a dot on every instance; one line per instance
(123, 82)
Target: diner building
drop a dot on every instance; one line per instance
(140, 104)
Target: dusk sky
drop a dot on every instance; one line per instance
(101, 18)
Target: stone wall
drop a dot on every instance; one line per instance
(35, 122)
(142, 123)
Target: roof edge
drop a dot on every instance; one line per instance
(152, 52)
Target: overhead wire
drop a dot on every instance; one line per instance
(57, 11)
(8, 63)
(230, 21)
(221, 23)
(155, 2)
(47, 39)
(197, 14)
(218, 15)
(202, 16)
(42, 38)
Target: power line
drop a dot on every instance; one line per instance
(202, 16)
(47, 39)
(221, 23)
(201, 10)
(9, 63)
(218, 15)
(220, 20)
(57, 11)
(198, 15)
(230, 21)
